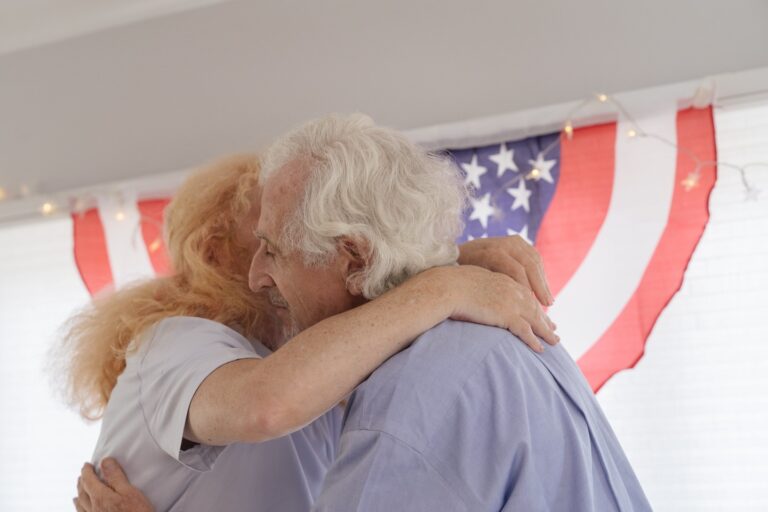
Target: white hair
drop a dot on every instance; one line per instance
(371, 183)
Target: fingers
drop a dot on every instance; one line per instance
(92, 485)
(513, 269)
(523, 331)
(78, 506)
(523, 263)
(543, 327)
(114, 476)
(535, 274)
(530, 259)
(83, 500)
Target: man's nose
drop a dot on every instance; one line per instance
(258, 280)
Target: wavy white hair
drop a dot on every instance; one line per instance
(370, 183)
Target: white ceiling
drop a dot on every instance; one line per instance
(29, 23)
(168, 92)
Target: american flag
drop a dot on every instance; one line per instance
(513, 184)
(615, 217)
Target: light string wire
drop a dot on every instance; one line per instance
(690, 182)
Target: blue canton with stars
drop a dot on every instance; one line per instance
(512, 185)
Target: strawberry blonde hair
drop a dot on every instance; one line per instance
(209, 280)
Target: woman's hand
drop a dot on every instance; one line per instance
(510, 255)
(114, 494)
(493, 298)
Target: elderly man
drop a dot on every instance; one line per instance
(350, 210)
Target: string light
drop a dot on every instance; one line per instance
(691, 181)
(120, 216)
(155, 245)
(568, 129)
(47, 208)
(3, 194)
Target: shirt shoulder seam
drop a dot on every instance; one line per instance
(422, 456)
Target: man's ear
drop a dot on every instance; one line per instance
(355, 256)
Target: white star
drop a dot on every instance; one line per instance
(504, 160)
(544, 167)
(523, 233)
(482, 209)
(474, 171)
(521, 195)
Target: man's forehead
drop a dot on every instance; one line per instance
(280, 194)
(290, 176)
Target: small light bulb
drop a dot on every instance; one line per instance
(691, 181)
(47, 208)
(155, 245)
(631, 132)
(534, 174)
(602, 98)
(568, 130)
(120, 216)
(3, 193)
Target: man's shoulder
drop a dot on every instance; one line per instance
(451, 349)
(445, 365)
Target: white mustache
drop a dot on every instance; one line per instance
(276, 299)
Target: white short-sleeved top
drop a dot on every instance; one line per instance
(143, 427)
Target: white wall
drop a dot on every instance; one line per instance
(693, 414)
(43, 443)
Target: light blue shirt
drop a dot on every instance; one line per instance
(469, 419)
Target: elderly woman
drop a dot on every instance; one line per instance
(197, 352)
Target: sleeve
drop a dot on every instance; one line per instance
(178, 358)
(376, 472)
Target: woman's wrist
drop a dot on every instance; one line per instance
(441, 287)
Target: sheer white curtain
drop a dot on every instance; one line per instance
(43, 443)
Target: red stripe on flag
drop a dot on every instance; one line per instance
(91, 255)
(623, 344)
(151, 212)
(580, 203)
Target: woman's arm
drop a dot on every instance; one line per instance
(510, 255)
(253, 400)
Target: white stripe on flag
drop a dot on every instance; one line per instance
(644, 179)
(128, 256)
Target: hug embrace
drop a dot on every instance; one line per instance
(323, 344)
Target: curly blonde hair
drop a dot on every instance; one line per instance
(209, 280)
